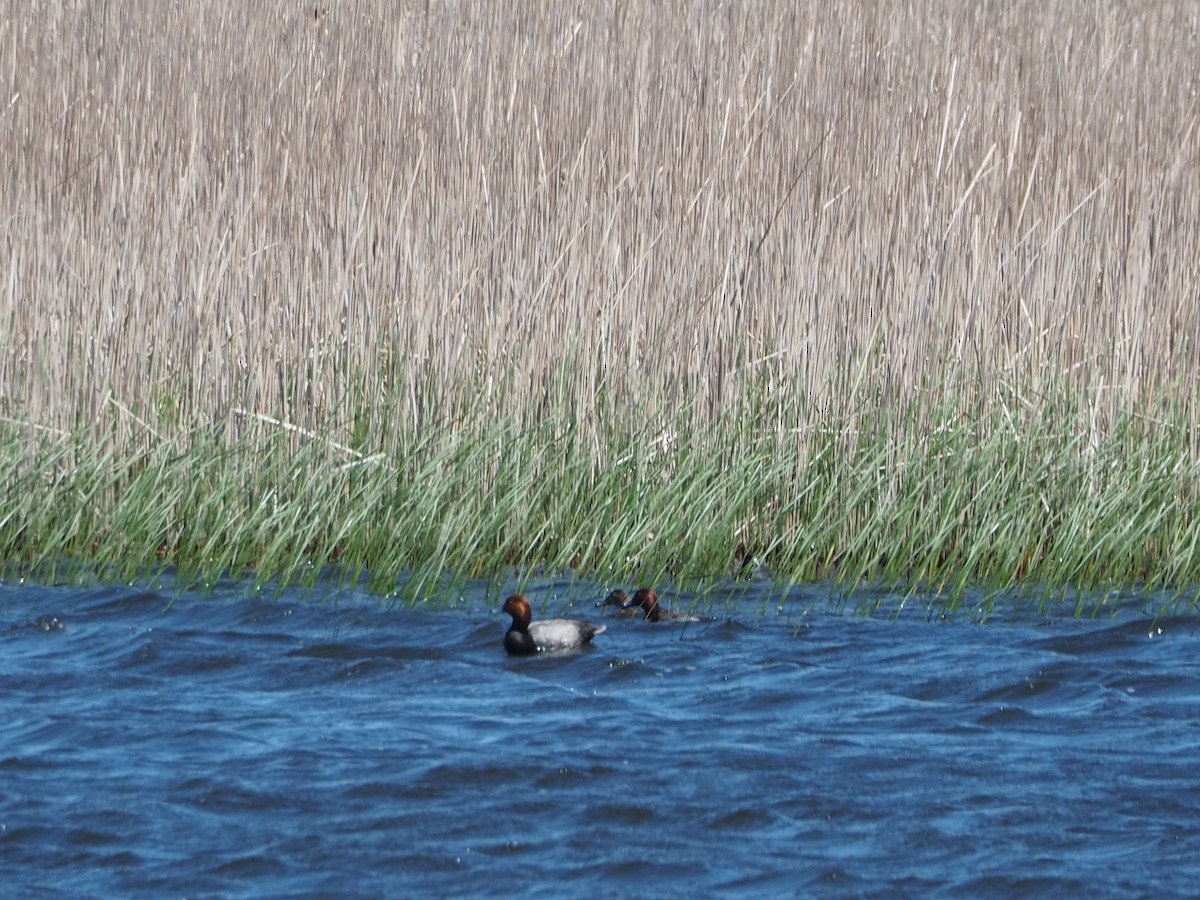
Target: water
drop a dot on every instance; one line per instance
(159, 744)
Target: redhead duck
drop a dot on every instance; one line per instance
(646, 599)
(620, 600)
(525, 637)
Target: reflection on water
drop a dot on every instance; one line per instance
(158, 743)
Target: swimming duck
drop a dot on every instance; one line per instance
(620, 600)
(525, 637)
(646, 599)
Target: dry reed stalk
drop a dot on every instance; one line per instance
(209, 207)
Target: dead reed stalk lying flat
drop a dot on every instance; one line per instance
(208, 207)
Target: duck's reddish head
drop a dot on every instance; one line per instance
(646, 600)
(617, 598)
(518, 607)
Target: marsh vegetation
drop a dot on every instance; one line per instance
(680, 290)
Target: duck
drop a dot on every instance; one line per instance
(646, 599)
(620, 600)
(526, 637)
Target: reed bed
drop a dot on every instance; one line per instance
(680, 290)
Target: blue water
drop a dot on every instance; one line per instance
(160, 743)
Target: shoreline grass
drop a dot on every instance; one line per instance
(997, 498)
(671, 290)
